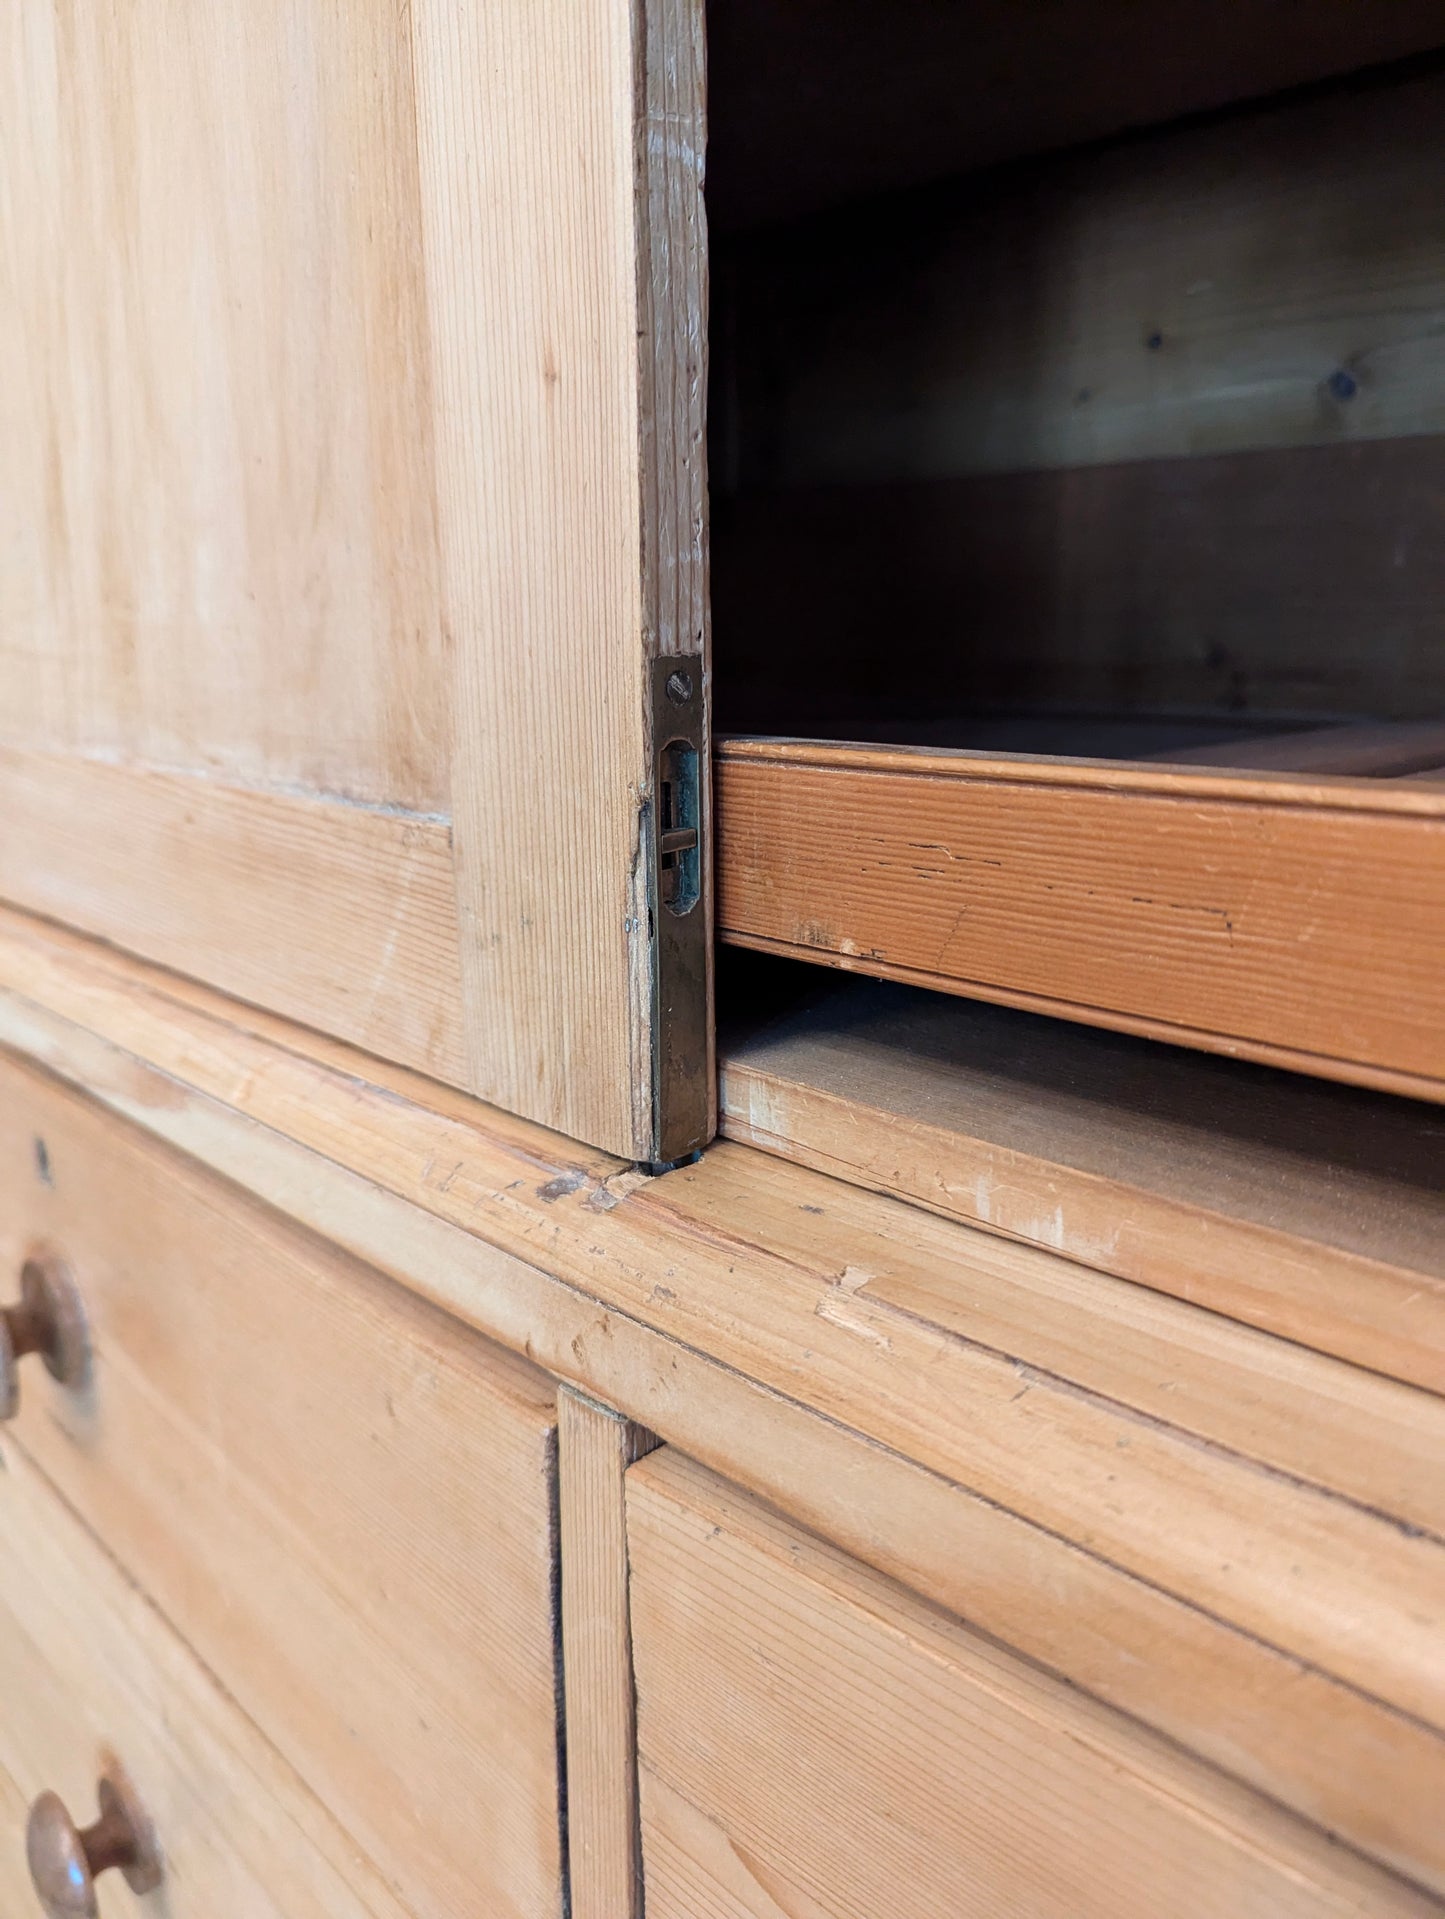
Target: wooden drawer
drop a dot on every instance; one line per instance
(340, 1497)
(814, 1741)
(87, 1668)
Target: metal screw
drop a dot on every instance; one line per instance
(679, 687)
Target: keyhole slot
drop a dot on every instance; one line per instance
(679, 853)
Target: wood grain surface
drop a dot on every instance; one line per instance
(1306, 1209)
(1269, 281)
(88, 1665)
(570, 475)
(1297, 923)
(1153, 425)
(595, 1446)
(356, 903)
(813, 1740)
(1392, 749)
(217, 446)
(1231, 585)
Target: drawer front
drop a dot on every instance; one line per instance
(91, 1674)
(342, 1498)
(816, 1743)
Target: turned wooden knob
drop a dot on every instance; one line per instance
(65, 1862)
(50, 1320)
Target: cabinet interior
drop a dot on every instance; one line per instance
(1128, 449)
(1078, 382)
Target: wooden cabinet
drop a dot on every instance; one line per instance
(341, 1498)
(997, 1475)
(352, 458)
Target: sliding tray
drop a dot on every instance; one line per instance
(1294, 919)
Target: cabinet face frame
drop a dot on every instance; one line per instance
(358, 471)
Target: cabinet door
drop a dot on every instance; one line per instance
(351, 476)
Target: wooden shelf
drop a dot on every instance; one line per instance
(1401, 749)
(1308, 1210)
(1291, 919)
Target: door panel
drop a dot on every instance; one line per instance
(219, 458)
(340, 531)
